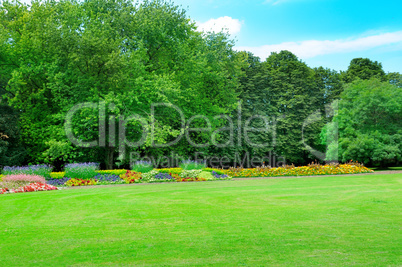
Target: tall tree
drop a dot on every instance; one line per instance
(127, 56)
(364, 69)
(369, 121)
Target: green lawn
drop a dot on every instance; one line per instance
(341, 221)
(386, 168)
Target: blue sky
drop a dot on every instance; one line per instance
(327, 33)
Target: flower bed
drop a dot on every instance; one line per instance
(32, 187)
(312, 169)
(87, 174)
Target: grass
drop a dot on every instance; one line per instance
(386, 168)
(320, 221)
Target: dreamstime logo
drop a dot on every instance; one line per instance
(113, 129)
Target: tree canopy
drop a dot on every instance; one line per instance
(369, 121)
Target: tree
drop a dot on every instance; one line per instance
(365, 69)
(286, 91)
(369, 121)
(11, 151)
(395, 78)
(113, 53)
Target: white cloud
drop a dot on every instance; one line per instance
(313, 48)
(225, 24)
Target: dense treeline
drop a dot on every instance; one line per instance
(124, 57)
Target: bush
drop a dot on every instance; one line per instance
(149, 175)
(131, 177)
(80, 182)
(107, 179)
(57, 181)
(18, 180)
(24, 178)
(142, 166)
(41, 170)
(217, 171)
(113, 172)
(190, 173)
(192, 165)
(171, 170)
(207, 175)
(57, 175)
(81, 170)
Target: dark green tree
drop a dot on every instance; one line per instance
(364, 69)
(369, 121)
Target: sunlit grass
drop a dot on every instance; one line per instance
(319, 221)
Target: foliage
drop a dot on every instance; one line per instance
(170, 170)
(57, 175)
(122, 55)
(164, 177)
(149, 175)
(192, 165)
(11, 150)
(57, 181)
(190, 173)
(217, 171)
(142, 166)
(114, 172)
(219, 176)
(41, 170)
(369, 122)
(280, 94)
(364, 69)
(108, 179)
(24, 178)
(20, 180)
(81, 170)
(206, 175)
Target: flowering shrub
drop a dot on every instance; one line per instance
(142, 166)
(80, 182)
(1, 177)
(32, 187)
(217, 171)
(149, 175)
(107, 179)
(163, 177)
(114, 172)
(24, 178)
(81, 170)
(42, 170)
(131, 177)
(312, 169)
(57, 175)
(57, 181)
(219, 176)
(171, 170)
(190, 173)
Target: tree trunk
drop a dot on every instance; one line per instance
(109, 157)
